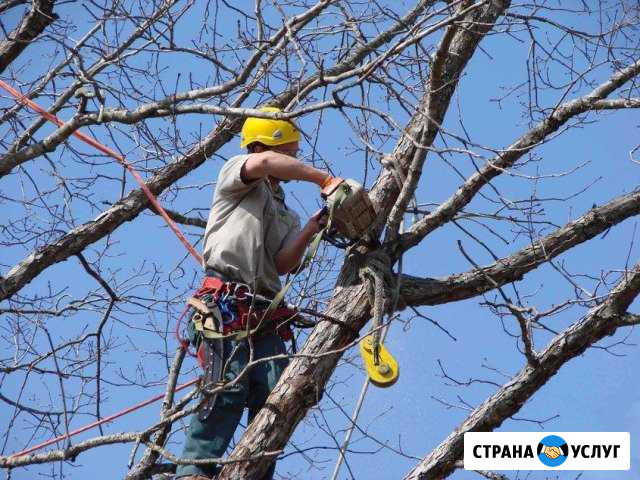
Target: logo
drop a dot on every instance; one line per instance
(277, 134)
(553, 451)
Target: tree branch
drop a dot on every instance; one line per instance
(508, 400)
(32, 25)
(463, 196)
(125, 210)
(629, 319)
(339, 72)
(7, 4)
(183, 219)
(617, 103)
(428, 291)
(456, 48)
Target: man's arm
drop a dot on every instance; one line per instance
(282, 167)
(290, 255)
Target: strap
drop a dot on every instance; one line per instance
(199, 305)
(210, 334)
(237, 335)
(338, 197)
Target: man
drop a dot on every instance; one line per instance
(251, 238)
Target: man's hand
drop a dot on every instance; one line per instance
(353, 212)
(317, 221)
(552, 452)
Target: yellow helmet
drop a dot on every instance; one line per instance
(268, 131)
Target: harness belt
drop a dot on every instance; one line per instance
(251, 315)
(230, 311)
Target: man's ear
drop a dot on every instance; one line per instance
(256, 148)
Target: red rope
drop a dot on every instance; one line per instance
(154, 201)
(102, 420)
(107, 151)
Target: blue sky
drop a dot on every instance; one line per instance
(594, 392)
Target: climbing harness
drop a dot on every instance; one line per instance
(230, 311)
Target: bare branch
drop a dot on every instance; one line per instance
(599, 323)
(466, 285)
(534, 137)
(33, 24)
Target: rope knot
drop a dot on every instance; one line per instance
(376, 274)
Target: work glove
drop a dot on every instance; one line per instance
(351, 207)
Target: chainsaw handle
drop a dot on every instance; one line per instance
(324, 211)
(329, 186)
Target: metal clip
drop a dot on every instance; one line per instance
(245, 291)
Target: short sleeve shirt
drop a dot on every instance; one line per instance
(248, 225)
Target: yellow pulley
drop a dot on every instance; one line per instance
(383, 371)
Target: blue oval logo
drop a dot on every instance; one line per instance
(553, 450)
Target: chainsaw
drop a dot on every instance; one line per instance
(349, 209)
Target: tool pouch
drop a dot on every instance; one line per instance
(351, 207)
(205, 330)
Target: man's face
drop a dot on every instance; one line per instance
(290, 149)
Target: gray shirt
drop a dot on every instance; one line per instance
(248, 225)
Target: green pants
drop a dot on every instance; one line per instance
(209, 439)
